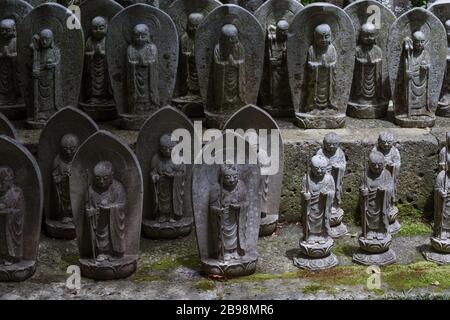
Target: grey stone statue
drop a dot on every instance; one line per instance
(96, 96)
(60, 139)
(275, 94)
(106, 195)
(187, 16)
(369, 97)
(442, 11)
(417, 49)
(11, 102)
(337, 165)
(398, 7)
(440, 240)
(167, 184)
(142, 52)
(229, 56)
(318, 192)
(253, 118)
(50, 64)
(392, 162)
(376, 190)
(7, 128)
(21, 201)
(445, 152)
(321, 65)
(227, 212)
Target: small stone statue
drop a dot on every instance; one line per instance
(7, 128)
(142, 50)
(440, 240)
(321, 65)
(275, 94)
(393, 163)
(227, 212)
(337, 165)
(21, 200)
(377, 187)
(369, 97)
(106, 197)
(318, 192)
(167, 184)
(417, 59)
(187, 16)
(50, 62)
(445, 152)
(229, 57)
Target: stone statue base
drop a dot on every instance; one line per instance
(304, 262)
(132, 122)
(59, 230)
(322, 120)
(14, 111)
(394, 225)
(440, 245)
(244, 266)
(415, 121)
(167, 230)
(338, 228)
(109, 270)
(437, 257)
(378, 259)
(443, 109)
(364, 111)
(282, 112)
(216, 120)
(268, 225)
(32, 124)
(17, 272)
(191, 106)
(100, 112)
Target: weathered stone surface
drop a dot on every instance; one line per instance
(398, 7)
(415, 100)
(7, 128)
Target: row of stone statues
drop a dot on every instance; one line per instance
(207, 58)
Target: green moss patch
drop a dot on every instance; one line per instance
(205, 285)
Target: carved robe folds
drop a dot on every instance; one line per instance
(96, 69)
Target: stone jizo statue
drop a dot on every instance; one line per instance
(443, 109)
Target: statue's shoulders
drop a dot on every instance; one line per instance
(117, 185)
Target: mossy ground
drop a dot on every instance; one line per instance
(412, 220)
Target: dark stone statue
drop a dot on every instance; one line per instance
(370, 94)
(337, 165)
(318, 192)
(445, 152)
(21, 200)
(376, 191)
(393, 163)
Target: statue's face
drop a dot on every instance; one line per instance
(319, 170)
(230, 179)
(376, 166)
(194, 21)
(46, 39)
(166, 150)
(385, 144)
(68, 150)
(141, 35)
(7, 29)
(419, 41)
(331, 146)
(99, 28)
(322, 36)
(368, 37)
(103, 181)
(6, 184)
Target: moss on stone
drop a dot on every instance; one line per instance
(267, 276)
(344, 250)
(414, 229)
(205, 285)
(69, 260)
(412, 221)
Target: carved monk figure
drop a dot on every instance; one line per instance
(377, 187)
(169, 179)
(227, 201)
(12, 210)
(277, 93)
(189, 67)
(96, 69)
(8, 55)
(444, 154)
(105, 212)
(46, 75)
(442, 205)
(318, 192)
(142, 73)
(229, 70)
(61, 175)
(322, 58)
(416, 66)
(367, 87)
(445, 94)
(336, 168)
